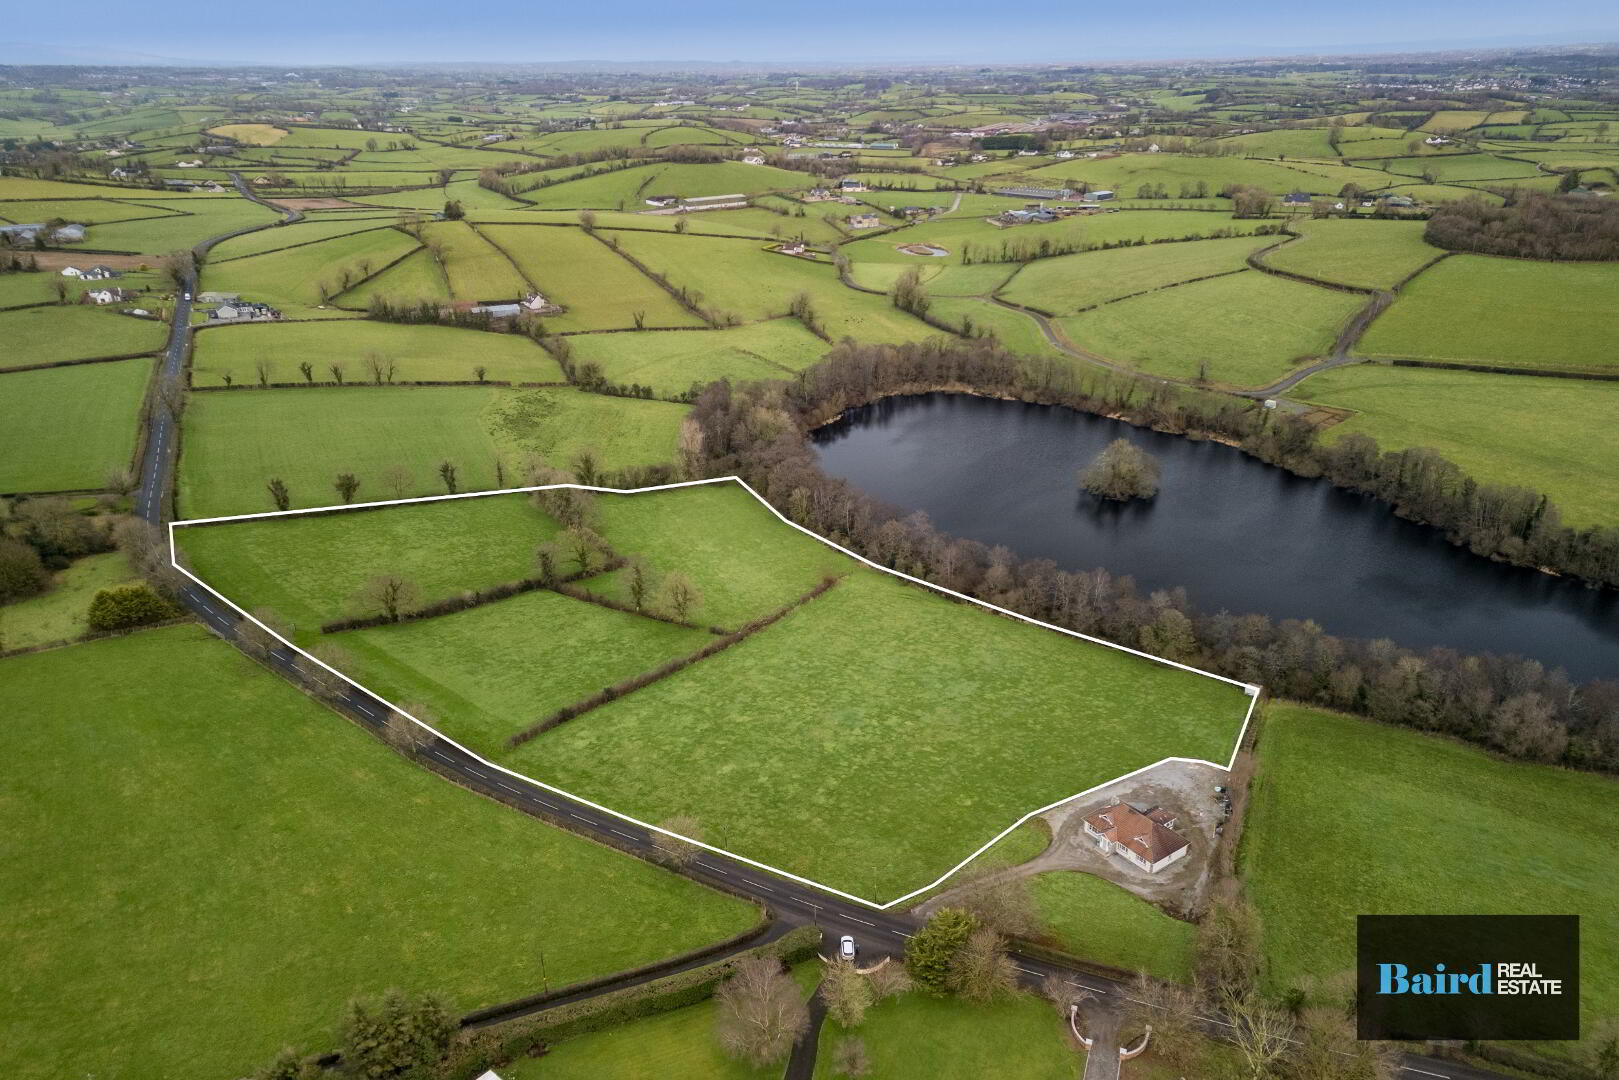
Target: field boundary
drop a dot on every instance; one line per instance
(1253, 691)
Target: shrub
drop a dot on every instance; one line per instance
(21, 572)
(122, 606)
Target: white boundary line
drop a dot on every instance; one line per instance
(1252, 690)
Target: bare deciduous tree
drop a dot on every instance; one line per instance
(849, 1058)
(982, 971)
(446, 473)
(847, 993)
(397, 477)
(403, 733)
(761, 1012)
(672, 851)
(1171, 1009)
(1260, 1032)
(681, 595)
(389, 595)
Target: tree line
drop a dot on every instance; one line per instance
(1530, 226)
(1512, 705)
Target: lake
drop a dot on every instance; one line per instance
(1236, 533)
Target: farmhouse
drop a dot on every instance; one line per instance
(1297, 198)
(109, 294)
(1147, 838)
(753, 156)
(850, 183)
(864, 221)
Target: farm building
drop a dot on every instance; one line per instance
(1033, 192)
(1147, 838)
(1100, 196)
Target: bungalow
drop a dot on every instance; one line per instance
(819, 194)
(864, 221)
(793, 247)
(118, 174)
(1152, 148)
(753, 156)
(851, 183)
(261, 180)
(1437, 140)
(535, 304)
(109, 294)
(218, 297)
(1146, 838)
(94, 273)
(1297, 198)
(197, 164)
(1065, 154)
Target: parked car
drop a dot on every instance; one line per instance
(846, 949)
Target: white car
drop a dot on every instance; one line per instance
(187, 296)
(846, 948)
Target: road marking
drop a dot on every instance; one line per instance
(1424, 1072)
(1082, 986)
(756, 885)
(901, 933)
(443, 757)
(862, 922)
(552, 805)
(1030, 971)
(705, 866)
(581, 817)
(474, 772)
(621, 832)
(806, 903)
(508, 787)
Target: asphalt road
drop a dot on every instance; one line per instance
(876, 933)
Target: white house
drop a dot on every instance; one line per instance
(1147, 838)
(109, 294)
(864, 221)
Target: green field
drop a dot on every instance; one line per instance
(67, 428)
(1551, 435)
(477, 269)
(202, 219)
(236, 441)
(673, 361)
(1249, 328)
(1384, 819)
(627, 189)
(917, 1037)
(285, 236)
(1370, 254)
(415, 278)
(186, 793)
(910, 710)
(599, 288)
(743, 279)
(1070, 283)
(1096, 919)
(46, 335)
(1509, 312)
(26, 288)
(419, 353)
(59, 614)
(293, 278)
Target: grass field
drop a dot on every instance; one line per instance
(1096, 919)
(627, 189)
(917, 1037)
(797, 812)
(252, 134)
(742, 278)
(26, 288)
(45, 335)
(477, 269)
(1552, 435)
(414, 278)
(1370, 254)
(1248, 328)
(673, 361)
(912, 712)
(1511, 312)
(1383, 818)
(293, 278)
(419, 353)
(1014, 329)
(599, 288)
(236, 441)
(59, 614)
(67, 428)
(184, 791)
(304, 232)
(24, 187)
(1069, 283)
(202, 218)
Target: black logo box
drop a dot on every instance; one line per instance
(1463, 944)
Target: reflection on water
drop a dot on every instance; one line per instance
(1237, 533)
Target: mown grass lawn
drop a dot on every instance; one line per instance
(1551, 435)
(235, 442)
(1371, 254)
(68, 428)
(1351, 817)
(1094, 918)
(673, 361)
(59, 614)
(229, 863)
(1064, 285)
(45, 335)
(918, 1037)
(418, 353)
(874, 738)
(1511, 312)
(1245, 329)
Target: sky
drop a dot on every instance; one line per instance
(938, 31)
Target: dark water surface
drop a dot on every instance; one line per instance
(1237, 533)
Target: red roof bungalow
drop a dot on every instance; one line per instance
(1146, 838)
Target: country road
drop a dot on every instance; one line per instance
(878, 933)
